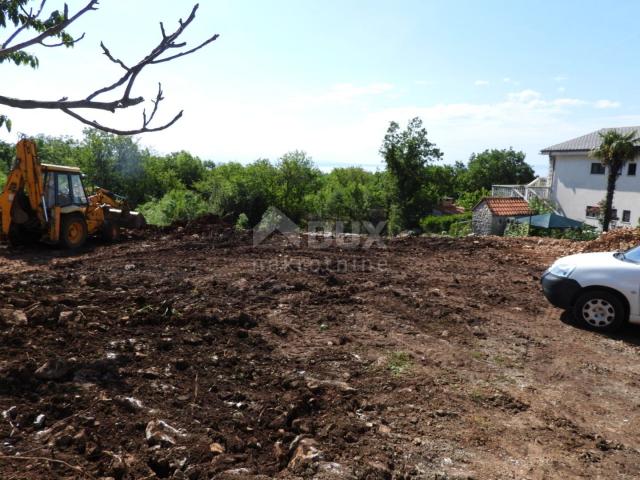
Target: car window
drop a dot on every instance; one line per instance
(633, 255)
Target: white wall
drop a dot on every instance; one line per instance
(574, 188)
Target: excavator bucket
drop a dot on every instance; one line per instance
(126, 219)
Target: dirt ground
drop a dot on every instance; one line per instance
(189, 353)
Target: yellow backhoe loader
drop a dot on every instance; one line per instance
(49, 203)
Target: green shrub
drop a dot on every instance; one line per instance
(585, 233)
(515, 229)
(461, 229)
(442, 223)
(243, 222)
(179, 204)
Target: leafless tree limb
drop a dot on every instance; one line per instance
(168, 42)
(99, 126)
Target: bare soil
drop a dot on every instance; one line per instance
(189, 353)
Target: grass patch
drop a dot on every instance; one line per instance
(399, 362)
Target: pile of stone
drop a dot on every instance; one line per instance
(614, 240)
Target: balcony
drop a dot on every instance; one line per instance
(536, 189)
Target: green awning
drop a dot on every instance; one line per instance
(550, 220)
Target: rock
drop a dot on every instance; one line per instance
(80, 441)
(377, 471)
(130, 266)
(129, 403)
(39, 421)
(65, 317)
(13, 317)
(10, 413)
(238, 474)
(305, 452)
(159, 432)
(64, 438)
(216, 448)
(54, 369)
(279, 451)
(332, 470)
(316, 385)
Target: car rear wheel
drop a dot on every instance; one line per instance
(600, 310)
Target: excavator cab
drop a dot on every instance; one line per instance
(63, 187)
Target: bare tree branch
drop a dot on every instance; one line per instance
(203, 44)
(95, 124)
(106, 51)
(64, 103)
(168, 41)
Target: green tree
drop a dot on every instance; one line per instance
(349, 194)
(7, 155)
(63, 150)
(497, 167)
(615, 150)
(407, 153)
(468, 200)
(297, 178)
(232, 189)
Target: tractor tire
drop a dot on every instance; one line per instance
(15, 236)
(21, 236)
(73, 231)
(110, 232)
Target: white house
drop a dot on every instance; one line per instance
(578, 183)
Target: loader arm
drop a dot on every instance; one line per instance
(26, 173)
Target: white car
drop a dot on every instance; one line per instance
(601, 289)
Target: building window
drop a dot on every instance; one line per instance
(626, 216)
(597, 168)
(632, 169)
(593, 212)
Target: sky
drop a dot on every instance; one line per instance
(328, 76)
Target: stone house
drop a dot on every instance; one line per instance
(491, 214)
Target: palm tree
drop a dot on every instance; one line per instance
(615, 150)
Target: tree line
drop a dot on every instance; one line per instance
(181, 186)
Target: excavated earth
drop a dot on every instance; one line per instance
(189, 353)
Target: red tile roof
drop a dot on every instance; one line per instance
(507, 206)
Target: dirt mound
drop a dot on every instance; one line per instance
(187, 356)
(617, 239)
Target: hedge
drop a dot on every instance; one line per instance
(442, 223)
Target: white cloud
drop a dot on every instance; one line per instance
(561, 89)
(345, 124)
(560, 78)
(481, 83)
(602, 104)
(340, 94)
